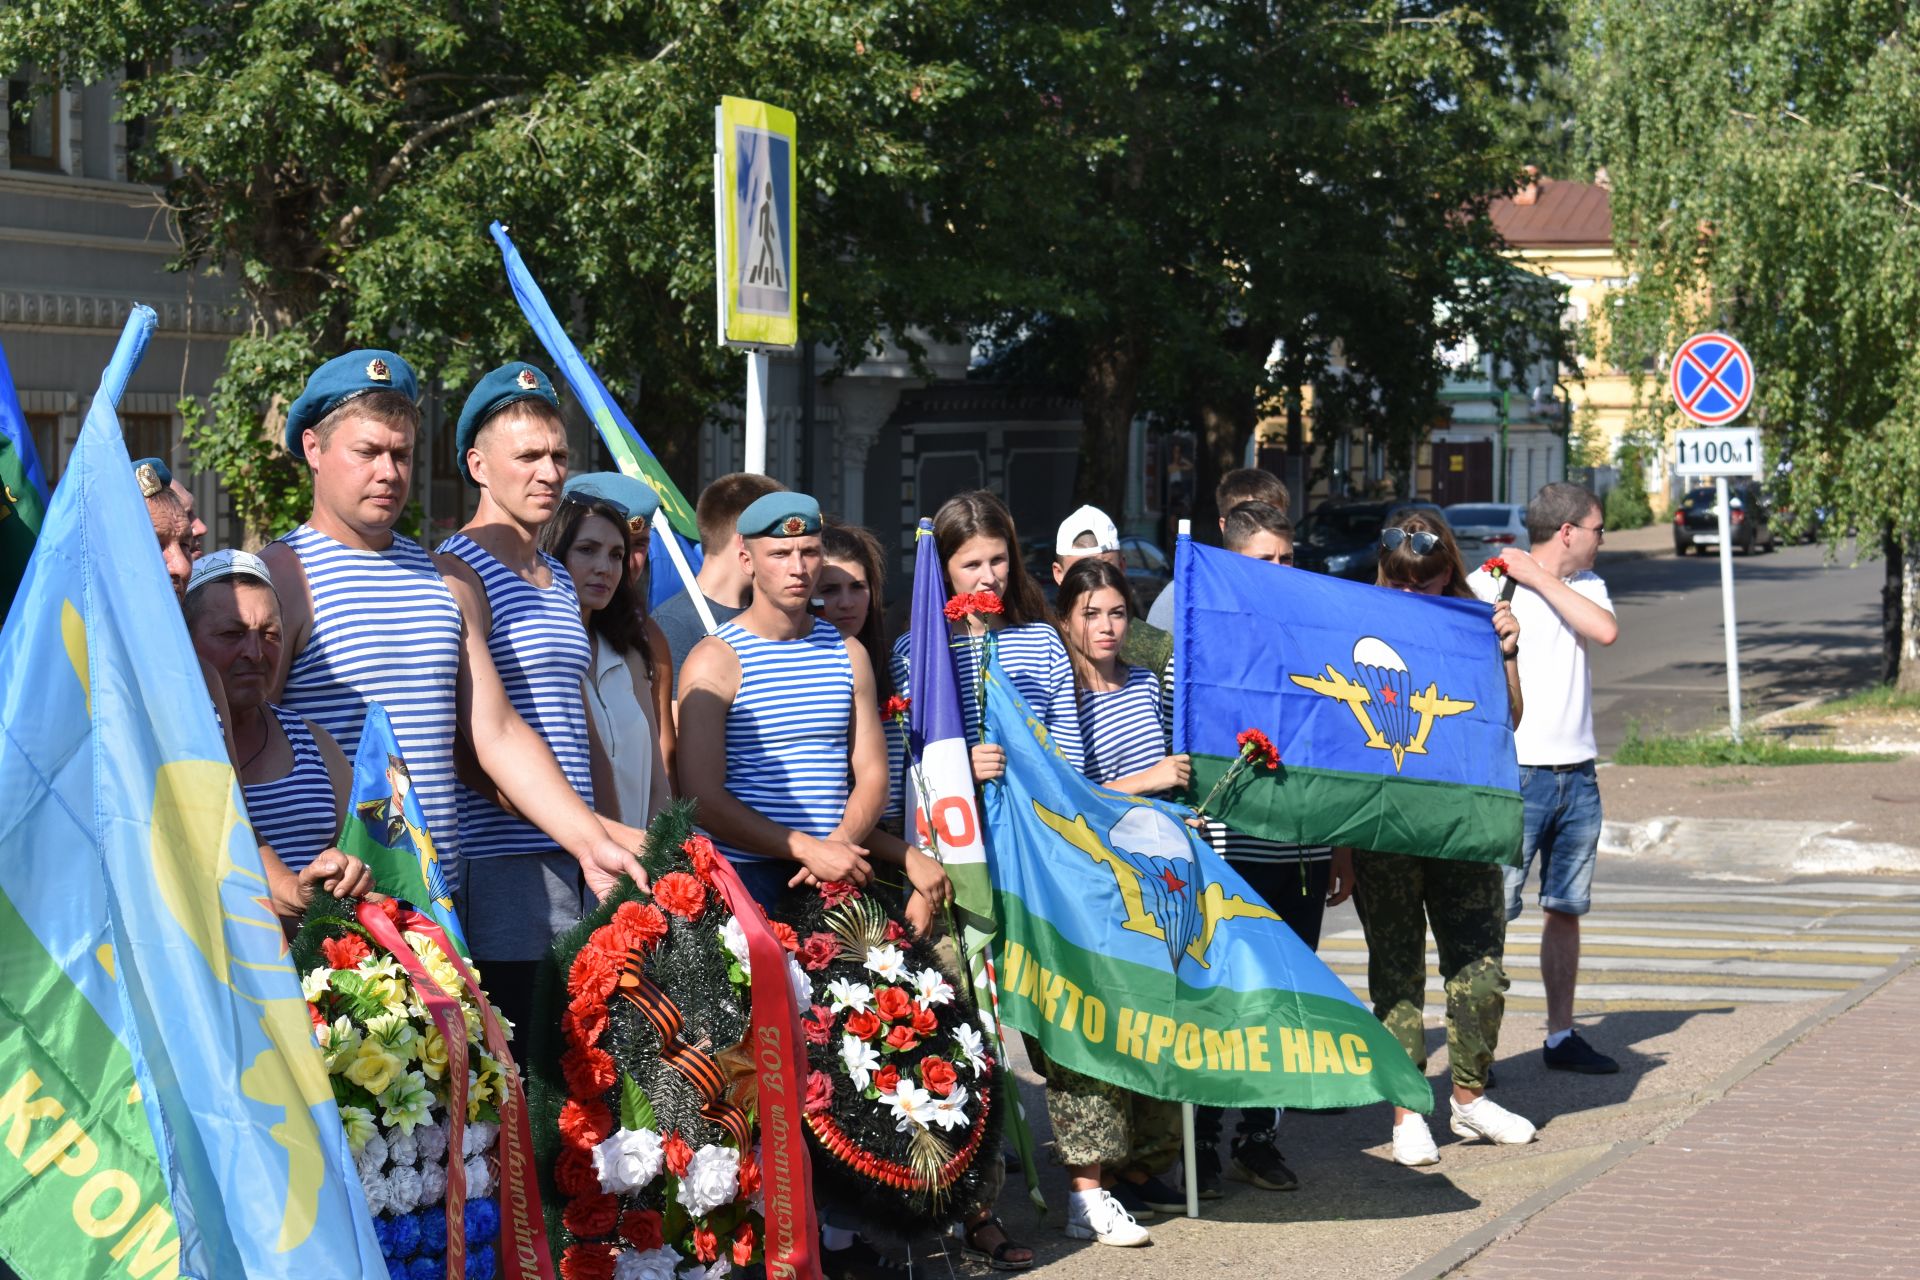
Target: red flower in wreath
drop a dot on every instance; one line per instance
(819, 1092)
(641, 1229)
(704, 855)
(681, 894)
(573, 1173)
(835, 892)
(938, 1075)
(743, 1245)
(924, 1020)
(638, 926)
(587, 1262)
(788, 938)
(389, 908)
(902, 1038)
(706, 1245)
(894, 932)
(678, 1154)
(887, 1079)
(590, 1072)
(584, 1025)
(862, 1024)
(345, 952)
(749, 1176)
(585, 1123)
(1257, 749)
(893, 1005)
(818, 951)
(592, 977)
(896, 707)
(817, 1026)
(592, 1215)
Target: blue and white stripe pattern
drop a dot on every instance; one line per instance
(297, 814)
(788, 730)
(1125, 728)
(541, 651)
(386, 630)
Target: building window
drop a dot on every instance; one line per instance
(148, 435)
(45, 430)
(33, 121)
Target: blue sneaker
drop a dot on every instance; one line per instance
(1575, 1054)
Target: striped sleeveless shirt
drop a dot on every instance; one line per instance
(787, 730)
(540, 649)
(386, 630)
(296, 814)
(1124, 728)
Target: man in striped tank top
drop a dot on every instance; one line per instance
(366, 617)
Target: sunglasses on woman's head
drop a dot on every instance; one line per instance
(1392, 539)
(635, 524)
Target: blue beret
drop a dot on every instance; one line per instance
(509, 384)
(780, 514)
(618, 490)
(159, 469)
(341, 379)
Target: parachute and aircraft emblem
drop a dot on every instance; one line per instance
(1395, 715)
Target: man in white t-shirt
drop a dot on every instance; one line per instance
(1562, 607)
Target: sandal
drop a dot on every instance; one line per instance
(996, 1257)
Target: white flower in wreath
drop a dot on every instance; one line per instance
(433, 1183)
(358, 1122)
(406, 1102)
(652, 1264)
(719, 1268)
(374, 1186)
(860, 1060)
(404, 1190)
(949, 1112)
(479, 1137)
(712, 1180)
(886, 963)
(340, 1042)
(972, 1045)
(431, 1139)
(479, 1178)
(315, 983)
(911, 1105)
(801, 984)
(628, 1160)
(371, 1157)
(734, 937)
(932, 987)
(403, 1149)
(845, 995)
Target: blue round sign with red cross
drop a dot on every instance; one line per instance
(1712, 379)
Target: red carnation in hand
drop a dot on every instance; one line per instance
(681, 894)
(938, 1075)
(893, 1004)
(706, 1245)
(887, 1079)
(743, 1245)
(1494, 567)
(987, 602)
(896, 706)
(592, 977)
(345, 952)
(641, 1229)
(902, 1038)
(835, 892)
(590, 1072)
(819, 1092)
(585, 1123)
(1258, 749)
(573, 1173)
(704, 855)
(678, 1154)
(788, 938)
(862, 1025)
(925, 1021)
(818, 951)
(587, 1262)
(817, 1025)
(958, 607)
(592, 1215)
(639, 926)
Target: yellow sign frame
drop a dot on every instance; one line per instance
(755, 266)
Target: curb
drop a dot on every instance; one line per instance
(1463, 1250)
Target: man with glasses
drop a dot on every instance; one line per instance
(1562, 607)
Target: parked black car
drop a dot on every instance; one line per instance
(1343, 540)
(1696, 522)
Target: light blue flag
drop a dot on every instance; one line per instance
(130, 858)
(387, 829)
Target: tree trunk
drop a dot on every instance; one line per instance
(1226, 419)
(1109, 393)
(1900, 617)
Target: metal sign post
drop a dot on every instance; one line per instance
(1712, 383)
(754, 251)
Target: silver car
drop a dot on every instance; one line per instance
(1488, 528)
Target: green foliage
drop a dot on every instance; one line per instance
(1627, 506)
(635, 1111)
(1716, 749)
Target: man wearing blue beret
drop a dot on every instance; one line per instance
(367, 618)
(195, 541)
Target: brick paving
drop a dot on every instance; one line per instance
(1806, 1169)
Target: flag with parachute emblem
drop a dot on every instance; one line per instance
(386, 828)
(1389, 710)
(143, 972)
(1134, 954)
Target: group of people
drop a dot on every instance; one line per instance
(545, 715)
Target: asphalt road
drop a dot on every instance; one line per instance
(1805, 629)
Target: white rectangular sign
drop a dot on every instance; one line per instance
(1718, 451)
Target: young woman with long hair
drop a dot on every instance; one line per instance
(852, 594)
(1398, 896)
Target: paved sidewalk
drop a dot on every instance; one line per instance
(1805, 1169)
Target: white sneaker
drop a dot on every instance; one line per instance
(1485, 1118)
(1103, 1220)
(1413, 1143)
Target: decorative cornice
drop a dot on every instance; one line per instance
(106, 314)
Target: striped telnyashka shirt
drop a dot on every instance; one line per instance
(296, 814)
(1124, 728)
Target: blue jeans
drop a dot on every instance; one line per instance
(766, 880)
(1563, 828)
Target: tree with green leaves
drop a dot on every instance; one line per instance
(1765, 162)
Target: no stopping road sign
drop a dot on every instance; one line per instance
(1711, 379)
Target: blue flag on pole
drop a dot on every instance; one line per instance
(130, 859)
(1389, 709)
(387, 829)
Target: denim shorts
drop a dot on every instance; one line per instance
(1563, 828)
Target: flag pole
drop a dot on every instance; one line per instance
(1189, 1145)
(756, 427)
(664, 527)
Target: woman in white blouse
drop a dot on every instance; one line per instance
(600, 533)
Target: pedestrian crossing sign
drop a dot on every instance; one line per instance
(754, 251)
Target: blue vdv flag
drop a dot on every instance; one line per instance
(1135, 954)
(130, 860)
(1389, 710)
(387, 829)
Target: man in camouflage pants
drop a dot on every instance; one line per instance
(1396, 896)
(1114, 1141)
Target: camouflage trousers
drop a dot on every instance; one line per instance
(1397, 896)
(1099, 1123)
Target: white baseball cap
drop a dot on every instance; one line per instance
(216, 566)
(1106, 536)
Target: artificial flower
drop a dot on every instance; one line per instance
(346, 951)
(910, 1105)
(405, 1102)
(886, 963)
(478, 1138)
(584, 1026)
(431, 1140)
(479, 1177)
(395, 1034)
(403, 1148)
(433, 1054)
(932, 987)
(711, 1181)
(315, 983)
(574, 1172)
(703, 855)
(893, 1005)
(948, 1112)
(403, 1189)
(358, 1122)
(585, 1124)
(658, 1263)
(678, 1155)
(817, 1024)
(588, 1262)
(835, 892)
(590, 1216)
(863, 1025)
(924, 1021)
(888, 1078)
(819, 1092)
(733, 935)
(972, 1045)
(436, 963)
(340, 1042)
(591, 977)
(743, 1243)
(939, 1076)
(628, 1160)
(638, 926)
(373, 1068)
(786, 936)
(895, 931)
(681, 894)
(715, 1270)
(818, 950)
(799, 984)
(641, 1228)
(706, 1245)
(589, 1072)
(902, 1038)
(859, 1058)
(849, 995)
(749, 1175)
